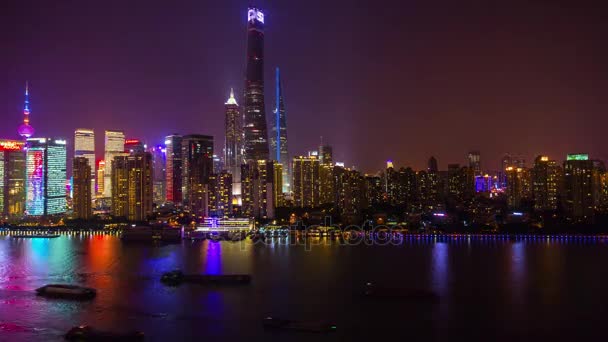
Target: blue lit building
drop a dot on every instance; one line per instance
(45, 176)
(278, 140)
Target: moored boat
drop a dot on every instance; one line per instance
(177, 277)
(66, 291)
(375, 292)
(272, 323)
(87, 333)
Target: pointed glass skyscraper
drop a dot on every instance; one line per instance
(278, 140)
(254, 125)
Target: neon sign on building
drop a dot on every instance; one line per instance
(35, 181)
(11, 145)
(255, 14)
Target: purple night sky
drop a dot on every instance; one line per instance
(379, 80)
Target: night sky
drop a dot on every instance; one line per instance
(379, 80)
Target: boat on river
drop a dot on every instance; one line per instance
(87, 333)
(373, 291)
(35, 236)
(272, 323)
(178, 277)
(66, 291)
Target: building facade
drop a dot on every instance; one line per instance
(45, 177)
(220, 194)
(159, 164)
(582, 187)
(114, 146)
(197, 163)
(81, 187)
(306, 181)
(546, 184)
(84, 146)
(173, 183)
(257, 181)
(132, 186)
(12, 178)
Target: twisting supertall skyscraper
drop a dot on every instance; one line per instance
(278, 139)
(256, 135)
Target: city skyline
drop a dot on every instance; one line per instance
(516, 96)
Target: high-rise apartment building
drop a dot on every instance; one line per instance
(220, 194)
(546, 183)
(305, 183)
(519, 185)
(582, 186)
(159, 163)
(132, 186)
(81, 187)
(474, 159)
(257, 181)
(173, 184)
(197, 162)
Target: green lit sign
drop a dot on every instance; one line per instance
(577, 157)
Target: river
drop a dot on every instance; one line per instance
(488, 289)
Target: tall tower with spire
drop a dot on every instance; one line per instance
(233, 147)
(278, 140)
(25, 130)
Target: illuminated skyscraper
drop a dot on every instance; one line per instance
(12, 178)
(84, 146)
(81, 171)
(132, 186)
(26, 130)
(257, 180)
(114, 146)
(197, 161)
(546, 181)
(173, 185)
(278, 140)
(101, 169)
(582, 186)
(305, 182)
(220, 194)
(277, 184)
(255, 132)
(233, 145)
(134, 146)
(327, 184)
(326, 154)
(432, 165)
(159, 161)
(474, 158)
(233, 148)
(518, 185)
(46, 176)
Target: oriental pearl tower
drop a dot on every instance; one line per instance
(25, 130)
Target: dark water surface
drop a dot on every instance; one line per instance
(489, 290)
